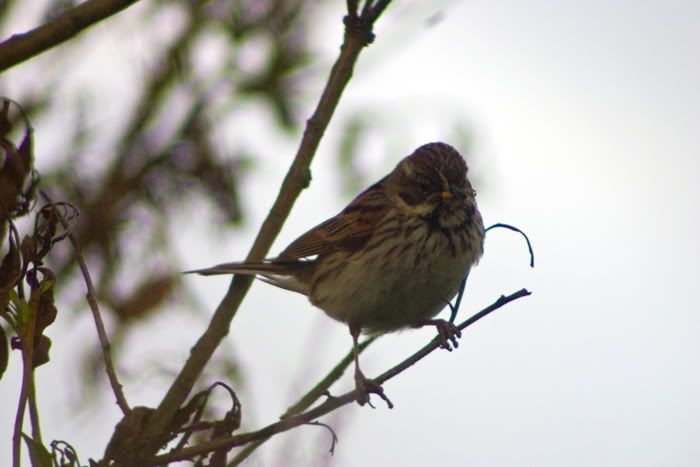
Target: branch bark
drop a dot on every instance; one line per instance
(358, 34)
(307, 400)
(331, 403)
(21, 47)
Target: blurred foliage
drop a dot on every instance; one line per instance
(162, 160)
(159, 162)
(27, 312)
(381, 133)
(17, 176)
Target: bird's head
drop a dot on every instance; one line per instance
(432, 183)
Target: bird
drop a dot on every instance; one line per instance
(392, 259)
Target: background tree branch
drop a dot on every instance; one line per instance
(358, 34)
(145, 158)
(63, 27)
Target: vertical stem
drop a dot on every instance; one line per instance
(295, 181)
(27, 341)
(34, 412)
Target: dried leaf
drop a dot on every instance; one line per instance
(10, 267)
(5, 124)
(42, 346)
(4, 351)
(28, 249)
(46, 313)
(10, 181)
(26, 148)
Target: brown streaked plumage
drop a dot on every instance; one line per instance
(391, 259)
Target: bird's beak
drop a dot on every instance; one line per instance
(446, 195)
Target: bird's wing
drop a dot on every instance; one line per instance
(348, 230)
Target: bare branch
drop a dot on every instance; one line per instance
(63, 27)
(319, 390)
(334, 436)
(97, 316)
(379, 7)
(298, 177)
(515, 229)
(436, 343)
(352, 7)
(330, 404)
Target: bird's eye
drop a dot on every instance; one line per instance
(425, 186)
(410, 198)
(474, 193)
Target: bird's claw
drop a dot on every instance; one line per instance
(448, 333)
(365, 386)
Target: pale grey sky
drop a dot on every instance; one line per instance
(586, 134)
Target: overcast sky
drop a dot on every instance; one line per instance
(585, 122)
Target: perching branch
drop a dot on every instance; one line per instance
(358, 34)
(331, 403)
(321, 388)
(308, 399)
(63, 27)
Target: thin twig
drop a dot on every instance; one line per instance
(379, 7)
(298, 177)
(330, 404)
(101, 333)
(334, 436)
(244, 453)
(352, 7)
(319, 390)
(27, 341)
(34, 412)
(61, 28)
(97, 316)
(436, 343)
(515, 229)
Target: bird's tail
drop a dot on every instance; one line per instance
(244, 267)
(291, 275)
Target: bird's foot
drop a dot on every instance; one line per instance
(365, 386)
(448, 333)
